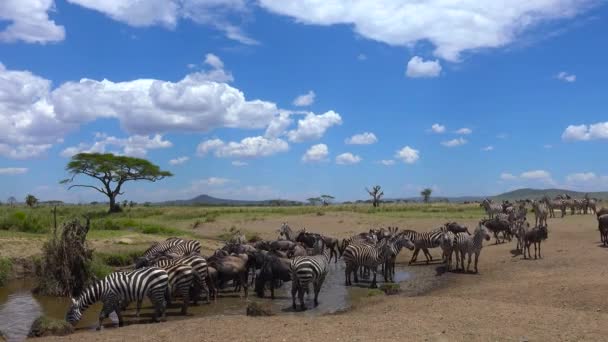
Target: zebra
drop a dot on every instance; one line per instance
(423, 241)
(287, 232)
(447, 246)
(361, 237)
(491, 208)
(358, 255)
(540, 212)
(554, 204)
(470, 244)
(201, 278)
(187, 247)
(395, 247)
(122, 287)
(590, 204)
(309, 269)
(161, 247)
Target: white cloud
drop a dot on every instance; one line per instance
(437, 128)
(239, 163)
(507, 176)
(316, 153)
(387, 162)
(29, 22)
(538, 175)
(464, 131)
(347, 159)
(581, 177)
(314, 126)
(419, 68)
(179, 160)
(278, 125)
(214, 181)
(217, 72)
(13, 170)
(488, 148)
(408, 155)
(136, 145)
(586, 132)
(454, 142)
(452, 27)
(214, 61)
(365, 138)
(566, 77)
(251, 147)
(23, 151)
(305, 100)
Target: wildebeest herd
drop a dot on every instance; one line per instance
(174, 268)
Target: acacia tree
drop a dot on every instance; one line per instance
(327, 199)
(112, 171)
(376, 193)
(426, 194)
(31, 200)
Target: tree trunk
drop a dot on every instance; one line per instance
(113, 207)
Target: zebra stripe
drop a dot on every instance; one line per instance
(123, 287)
(158, 248)
(470, 244)
(200, 267)
(185, 248)
(423, 241)
(309, 269)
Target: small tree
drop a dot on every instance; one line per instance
(314, 200)
(326, 199)
(11, 201)
(426, 194)
(125, 203)
(132, 204)
(112, 171)
(31, 200)
(376, 193)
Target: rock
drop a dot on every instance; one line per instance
(45, 326)
(256, 309)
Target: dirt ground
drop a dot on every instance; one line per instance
(561, 297)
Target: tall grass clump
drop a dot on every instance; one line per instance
(6, 266)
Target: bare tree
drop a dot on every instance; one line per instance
(376, 193)
(11, 201)
(426, 194)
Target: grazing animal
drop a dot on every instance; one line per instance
(540, 213)
(232, 267)
(590, 205)
(309, 269)
(456, 228)
(497, 226)
(187, 247)
(273, 271)
(423, 241)
(491, 207)
(602, 222)
(470, 244)
(361, 237)
(555, 204)
(122, 287)
(396, 244)
(161, 247)
(447, 246)
(534, 236)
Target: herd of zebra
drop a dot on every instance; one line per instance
(175, 267)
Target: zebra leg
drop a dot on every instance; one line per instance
(476, 259)
(119, 315)
(374, 284)
(301, 297)
(468, 261)
(186, 297)
(427, 255)
(539, 255)
(415, 255)
(294, 289)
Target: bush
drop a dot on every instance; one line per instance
(5, 268)
(159, 230)
(45, 326)
(22, 222)
(98, 268)
(119, 259)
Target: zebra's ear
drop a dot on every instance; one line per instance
(73, 301)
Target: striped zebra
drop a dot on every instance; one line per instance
(552, 205)
(161, 247)
(361, 237)
(423, 241)
(470, 244)
(491, 207)
(122, 287)
(309, 269)
(395, 245)
(541, 212)
(201, 279)
(187, 247)
(447, 246)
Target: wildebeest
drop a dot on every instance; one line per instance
(273, 271)
(603, 228)
(535, 236)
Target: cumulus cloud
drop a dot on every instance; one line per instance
(314, 126)
(29, 22)
(366, 138)
(437, 128)
(217, 72)
(536, 174)
(464, 131)
(278, 125)
(13, 170)
(488, 148)
(533, 176)
(316, 153)
(347, 159)
(23, 151)
(419, 68)
(454, 142)
(581, 177)
(179, 160)
(251, 147)
(387, 162)
(305, 99)
(408, 155)
(469, 26)
(586, 132)
(136, 145)
(566, 77)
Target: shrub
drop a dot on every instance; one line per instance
(98, 268)
(119, 259)
(5, 268)
(45, 326)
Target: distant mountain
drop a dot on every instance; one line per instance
(538, 193)
(204, 200)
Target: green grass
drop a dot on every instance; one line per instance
(99, 268)
(119, 259)
(6, 266)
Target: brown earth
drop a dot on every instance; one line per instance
(558, 298)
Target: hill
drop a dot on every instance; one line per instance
(206, 200)
(528, 193)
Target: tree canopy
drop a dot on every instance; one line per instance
(426, 194)
(31, 200)
(112, 171)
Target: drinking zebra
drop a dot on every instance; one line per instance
(396, 244)
(423, 241)
(120, 287)
(309, 269)
(201, 279)
(161, 247)
(470, 244)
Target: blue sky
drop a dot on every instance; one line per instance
(266, 99)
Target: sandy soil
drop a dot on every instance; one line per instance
(560, 297)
